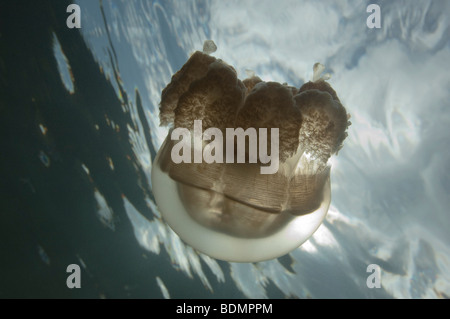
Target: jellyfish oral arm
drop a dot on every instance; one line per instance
(213, 151)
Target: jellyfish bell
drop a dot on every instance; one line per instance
(230, 210)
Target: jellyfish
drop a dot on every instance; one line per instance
(229, 209)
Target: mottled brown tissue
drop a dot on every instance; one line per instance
(208, 89)
(194, 69)
(310, 119)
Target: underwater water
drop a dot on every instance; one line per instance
(80, 128)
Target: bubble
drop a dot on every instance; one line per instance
(230, 209)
